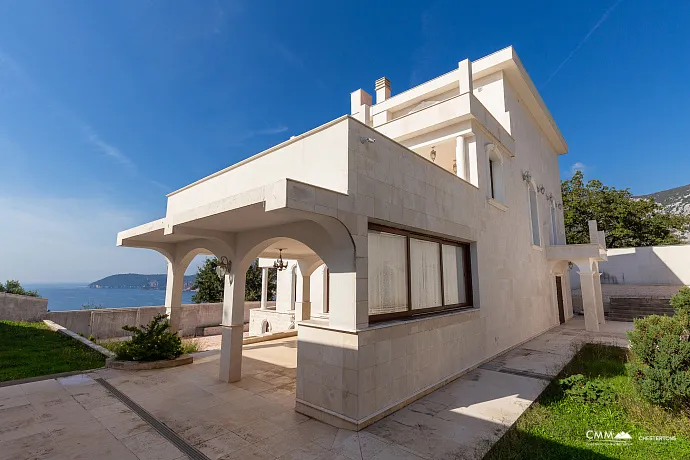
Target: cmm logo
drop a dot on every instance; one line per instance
(608, 436)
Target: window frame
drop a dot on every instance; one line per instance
(467, 267)
(491, 178)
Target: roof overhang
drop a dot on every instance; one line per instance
(507, 60)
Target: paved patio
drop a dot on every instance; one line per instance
(76, 417)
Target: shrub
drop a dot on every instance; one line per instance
(661, 363)
(681, 301)
(14, 287)
(151, 342)
(581, 389)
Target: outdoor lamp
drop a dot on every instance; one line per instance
(279, 264)
(223, 267)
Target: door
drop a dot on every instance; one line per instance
(559, 298)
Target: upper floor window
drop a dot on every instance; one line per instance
(534, 215)
(495, 187)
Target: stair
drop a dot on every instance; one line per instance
(629, 308)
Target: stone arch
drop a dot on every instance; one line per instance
(265, 327)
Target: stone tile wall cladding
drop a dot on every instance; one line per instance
(22, 308)
(278, 321)
(362, 377)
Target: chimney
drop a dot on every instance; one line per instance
(465, 79)
(383, 89)
(358, 99)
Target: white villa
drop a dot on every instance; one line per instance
(423, 235)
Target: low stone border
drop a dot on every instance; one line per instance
(61, 329)
(267, 337)
(147, 365)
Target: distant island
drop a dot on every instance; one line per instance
(138, 281)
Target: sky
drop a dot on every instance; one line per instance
(107, 106)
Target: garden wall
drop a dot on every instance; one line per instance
(107, 323)
(21, 307)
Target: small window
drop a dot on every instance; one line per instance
(554, 226)
(534, 216)
(491, 179)
(495, 188)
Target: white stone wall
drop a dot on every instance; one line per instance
(278, 321)
(665, 265)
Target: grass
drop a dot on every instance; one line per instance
(32, 349)
(555, 426)
(188, 346)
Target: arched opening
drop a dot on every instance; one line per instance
(495, 185)
(265, 327)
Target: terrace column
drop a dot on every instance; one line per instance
(302, 302)
(232, 328)
(461, 158)
(598, 297)
(173, 294)
(264, 287)
(588, 284)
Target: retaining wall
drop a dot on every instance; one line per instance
(21, 307)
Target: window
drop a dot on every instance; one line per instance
(387, 273)
(411, 274)
(495, 188)
(534, 215)
(554, 226)
(491, 179)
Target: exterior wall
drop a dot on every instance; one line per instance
(278, 321)
(628, 291)
(665, 265)
(318, 159)
(21, 307)
(512, 282)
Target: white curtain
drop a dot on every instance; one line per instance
(454, 275)
(387, 273)
(425, 271)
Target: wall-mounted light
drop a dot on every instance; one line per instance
(559, 205)
(432, 155)
(279, 264)
(365, 140)
(549, 197)
(455, 166)
(570, 265)
(541, 189)
(223, 267)
(527, 176)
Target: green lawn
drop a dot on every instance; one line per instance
(555, 426)
(31, 349)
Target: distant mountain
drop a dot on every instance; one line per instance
(676, 200)
(137, 281)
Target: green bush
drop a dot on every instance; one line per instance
(151, 343)
(681, 301)
(660, 367)
(581, 389)
(14, 287)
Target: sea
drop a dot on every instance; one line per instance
(63, 297)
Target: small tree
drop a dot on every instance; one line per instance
(210, 288)
(14, 287)
(627, 221)
(151, 342)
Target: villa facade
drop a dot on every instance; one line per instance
(424, 234)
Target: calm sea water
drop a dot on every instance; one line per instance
(72, 296)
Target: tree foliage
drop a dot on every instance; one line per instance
(210, 288)
(14, 287)
(627, 221)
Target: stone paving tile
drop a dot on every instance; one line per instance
(222, 446)
(149, 445)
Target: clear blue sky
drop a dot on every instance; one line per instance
(107, 106)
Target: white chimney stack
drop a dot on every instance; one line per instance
(383, 89)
